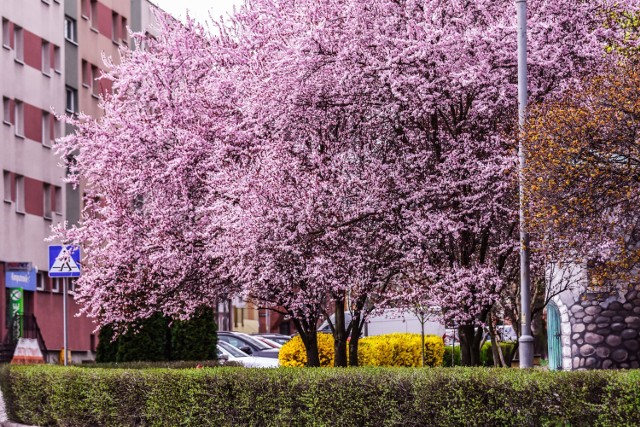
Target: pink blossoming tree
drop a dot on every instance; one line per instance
(317, 154)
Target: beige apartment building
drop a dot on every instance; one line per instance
(50, 58)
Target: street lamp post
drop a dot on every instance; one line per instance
(526, 340)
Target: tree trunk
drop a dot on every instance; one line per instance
(309, 338)
(356, 331)
(339, 335)
(496, 350)
(470, 345)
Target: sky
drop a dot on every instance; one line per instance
(198, 9)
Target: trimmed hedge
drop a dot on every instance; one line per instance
(58, 396)
(390, 350)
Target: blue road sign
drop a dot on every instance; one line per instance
(64, 261)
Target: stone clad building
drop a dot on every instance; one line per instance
(596, 327)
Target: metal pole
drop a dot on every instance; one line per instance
(526, 340)
(453, 350)
(422, 325)
(64, 318)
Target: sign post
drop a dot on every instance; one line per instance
(64, 262)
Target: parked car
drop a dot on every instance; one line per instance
(248, 344)
(228, 352)
(279, 338)
(267, 341)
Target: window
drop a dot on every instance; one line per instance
(46, 201)
(72, 100)
(57, 60)
(55, 284)
(6, 111)
(18, 44)
(124, 34)
(86, 74)
(85, 10)
(40, 279)
(46, 58)
(95, 83)
(47, 2)
(70, 29)
(19, 118)
(57, 200)
(115, 27)
(94, 15)
(71, 285)
(46, 129)
(19, 194)
(6, 184)
(6, 34)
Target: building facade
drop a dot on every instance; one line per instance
(590, 325)
(50, 61)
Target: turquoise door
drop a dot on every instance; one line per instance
(553, 337)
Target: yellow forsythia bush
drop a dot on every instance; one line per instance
(381, 350)
(294, 354)
(400, 350)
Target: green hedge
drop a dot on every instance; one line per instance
(58, 396)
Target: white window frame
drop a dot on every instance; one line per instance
(95, 83)
(70, 30)
(93, 11)
(18, 106)
(40, 280)
(74, 100)
(55, 284)
(6, 111)
(58, 199)
(46, 129)
(18, 44)
(46, 58)
(6, 185)
(114, 27)
(57, 59)
(20, 194)
(86, 73)
(47, 213)
(124, 33)
(6, 34)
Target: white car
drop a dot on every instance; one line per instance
(228, 352)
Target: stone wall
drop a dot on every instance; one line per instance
(604, 332)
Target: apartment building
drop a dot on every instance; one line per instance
(50, 61)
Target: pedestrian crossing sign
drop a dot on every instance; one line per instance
(64, 261)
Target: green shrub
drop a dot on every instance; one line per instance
(486, 354)
(447, 361)
(195, 339)
(80, 397)
(153, 340)
(150, 341)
